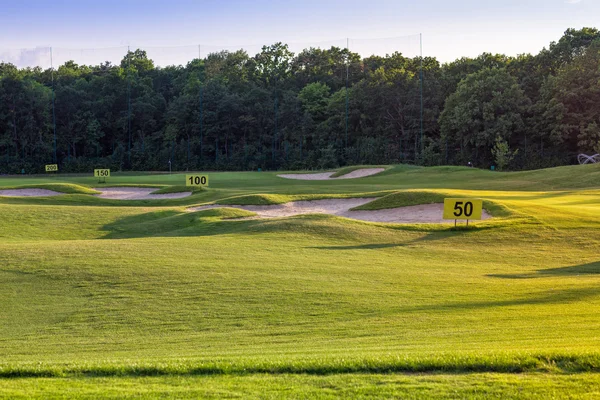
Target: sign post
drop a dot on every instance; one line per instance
(51, 167)
(463, 209)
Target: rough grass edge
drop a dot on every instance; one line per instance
(519, 363)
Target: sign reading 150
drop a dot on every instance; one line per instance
(196, 180)
(102, 173)
(463, 208)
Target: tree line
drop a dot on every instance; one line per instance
(320, 108)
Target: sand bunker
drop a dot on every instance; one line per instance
(325, 176)
(136, 193)
(29, 193)
(426, 213)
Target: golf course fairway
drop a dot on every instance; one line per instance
(106, 298)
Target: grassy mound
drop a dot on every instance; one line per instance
(68, 188)
(347, 170)
(404, 199)
(173, 223)
(178, 189)
(271, 199)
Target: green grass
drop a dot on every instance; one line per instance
(118, 300)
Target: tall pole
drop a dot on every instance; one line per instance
(128, 107)
(275, 136)
(201, 96)
(421, 84)
(53, 105)
(276, 129)
(347, 78)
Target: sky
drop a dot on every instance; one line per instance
(89, 31)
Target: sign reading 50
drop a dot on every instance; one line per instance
(463, 208)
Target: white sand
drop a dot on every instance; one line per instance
(29, 193)
(136, 193)
(327, 206)
(325, 176)
(421, 214)
(426, 213)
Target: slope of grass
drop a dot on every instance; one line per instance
(167, 284)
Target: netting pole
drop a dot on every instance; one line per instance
(53, 105)
(421, 90)
(347, 77)
(128, 107)
(201, 96)
(275, 136)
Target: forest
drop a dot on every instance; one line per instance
(320, 108)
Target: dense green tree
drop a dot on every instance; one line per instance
(569, 108)
(320, 108)
(487, 106)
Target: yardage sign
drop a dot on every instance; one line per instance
(102, 173)
(463, 208)
(196, 180)
(51, 167)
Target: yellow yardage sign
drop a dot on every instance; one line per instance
(51, 167)
(102, 173)
(196, 180)
(463, 208)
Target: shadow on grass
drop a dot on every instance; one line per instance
(372, 246)
(554, 297)
(431, 236)
(576, 270)
(221, 221)
(171, 223)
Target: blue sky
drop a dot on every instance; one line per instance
(450, 29)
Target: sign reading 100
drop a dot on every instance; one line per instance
(463, 208)
(196, 180)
